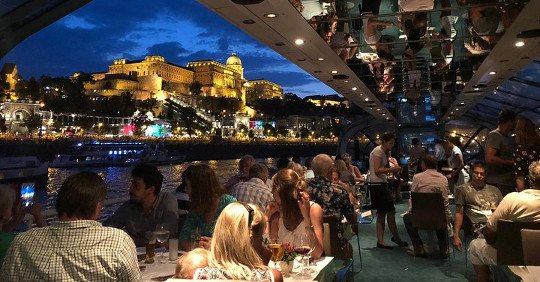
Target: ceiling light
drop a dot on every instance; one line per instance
(520, 44)
(346, 81)
(334, 71)
(280, 44)
(476, 89)
(492, 73)
(354, 88)
(320, 59)
(378, 110)
(271, 15)
(248, 21)
(367, 99)
(299, 41)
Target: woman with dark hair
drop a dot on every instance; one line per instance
(208, 199)
(293, 213)
(381, 198)
(527, 151)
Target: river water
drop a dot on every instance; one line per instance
(118, 179)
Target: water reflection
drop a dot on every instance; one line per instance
(406, 50)
(118, 178)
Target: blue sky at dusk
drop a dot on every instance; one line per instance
(89, 39)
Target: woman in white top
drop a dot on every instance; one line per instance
(292, 213)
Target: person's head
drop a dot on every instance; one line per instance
(287, 185)
(297, 160)
(347, 159)
(534, 175)
(258, 223)
(429, 162)
(203, 187)
(81, 196)
(231, 247)
(322, 165)
(415, 141)
(388, 140)
(7, 197)
(298, 168)
(185, 174)
(145, 182)
(258, 170)
(526, 133)
(340, 165)
(507, 121)
(478, 173)
(188, 263)
(336, 174)
(246, 161)
(282, 163)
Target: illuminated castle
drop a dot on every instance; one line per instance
(154, 77)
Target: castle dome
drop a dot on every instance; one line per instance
(234, 60)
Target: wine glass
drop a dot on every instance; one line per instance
(277, 250)
(162, 235)
(303, 247)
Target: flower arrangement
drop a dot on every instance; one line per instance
(289, 254)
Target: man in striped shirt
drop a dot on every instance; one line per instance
(76, 247)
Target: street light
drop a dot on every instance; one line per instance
(99, 127)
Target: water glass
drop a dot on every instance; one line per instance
(162, 235)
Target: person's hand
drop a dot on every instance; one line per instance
(395, 169)
(35, 211)
(457, 243)
(303, 204)
(205, 242)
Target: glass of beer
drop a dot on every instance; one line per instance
(150, 247)
(277, 251)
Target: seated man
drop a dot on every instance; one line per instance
(333, 200)
(147, 207)
(521, 206)
(473, 198)
(244, 164)
(76, 247)
(429, 181)
(255, 190)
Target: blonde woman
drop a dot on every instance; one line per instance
(188, 263)
(293, 213)
(232, 255)
(527, 151)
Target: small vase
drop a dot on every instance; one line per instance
(286, 268)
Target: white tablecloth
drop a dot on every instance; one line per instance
(157, 269)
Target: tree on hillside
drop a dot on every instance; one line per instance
(195, 88)
(32, 122)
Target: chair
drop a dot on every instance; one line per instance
(345, 273)
(428, 212)
(330, 224)
(508, 241)
(531, 246)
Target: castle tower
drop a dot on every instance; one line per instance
(235, 63)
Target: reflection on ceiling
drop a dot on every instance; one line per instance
(412, 61)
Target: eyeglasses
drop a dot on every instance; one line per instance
(251, 212)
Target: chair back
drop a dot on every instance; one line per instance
(428, 211)
(531, 246)
(508, 241)
(331, 223)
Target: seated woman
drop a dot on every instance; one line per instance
(337, 180)
(293, 213)
(208, 199)
(188, 263)
(231, 255)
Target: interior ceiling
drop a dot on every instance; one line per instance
(495, 82)
(21, 18)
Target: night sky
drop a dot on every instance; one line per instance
(89, 39)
